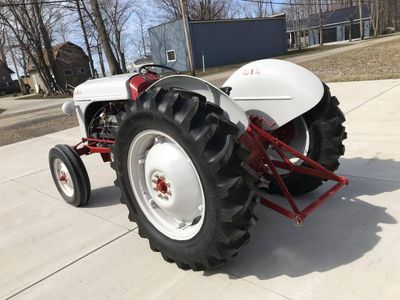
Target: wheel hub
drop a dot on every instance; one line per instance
(166, 184)
(180, 195)
(161, 186)
(64, 177)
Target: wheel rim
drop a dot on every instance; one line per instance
(166, 185)
(299, 142)
(63, 177)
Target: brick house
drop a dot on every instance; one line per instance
(72, 67)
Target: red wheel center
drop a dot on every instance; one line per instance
(62, 177)
(286, 133)
(162, 186)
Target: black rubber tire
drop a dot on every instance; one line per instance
(326, 132)
(78, 173)
(210, 141)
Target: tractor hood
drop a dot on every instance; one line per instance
(104, 89)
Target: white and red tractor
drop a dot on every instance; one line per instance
(192, 159)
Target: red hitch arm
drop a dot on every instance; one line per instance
(259, 141)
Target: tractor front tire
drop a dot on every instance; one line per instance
(179, 174)
(69, 175)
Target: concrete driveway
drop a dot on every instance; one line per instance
(348, 249)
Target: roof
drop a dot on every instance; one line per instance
(332, 17)
(3, 65)
(144, 60)
(56, 51)
(278, 16)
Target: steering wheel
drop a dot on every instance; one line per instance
(149, 71)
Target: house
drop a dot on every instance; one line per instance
(144, 60)
(72, 67)
(336, 26)
(218, 42)
(5, 78)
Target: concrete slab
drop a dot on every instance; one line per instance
(30, 156)
(373, 145)
(39, 235)
(353, 94)
(105, 197)
(3, 179)
(138, 273)
(344, 251)
(348, 249)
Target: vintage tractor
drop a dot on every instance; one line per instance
(192, 160)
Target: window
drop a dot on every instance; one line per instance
(68, 72)
(171, 56)
(80, 70)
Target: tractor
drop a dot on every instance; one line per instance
(192, 160)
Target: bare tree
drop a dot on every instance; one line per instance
(143, 41)
(26, 22)
(3, 45)
(117, 14)
(101, 28)
(197, 9)
(85, 36)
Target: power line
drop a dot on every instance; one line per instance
(306, 4)
(34, 2)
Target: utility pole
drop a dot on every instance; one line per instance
(361, 19)
(20, 82)
(187, 37)
(321, 41)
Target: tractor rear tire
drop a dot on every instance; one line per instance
(164, 120)
(326, 135)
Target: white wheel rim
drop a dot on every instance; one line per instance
(300, 142)
(166, 185)
(63, 177)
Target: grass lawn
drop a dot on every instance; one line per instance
(379, 61)
(34, 128)
(290, 54)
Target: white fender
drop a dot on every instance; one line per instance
(213, 94)
(278, 90)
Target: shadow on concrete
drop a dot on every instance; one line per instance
(341, 231)
(105, 196)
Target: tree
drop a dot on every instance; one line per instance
(117, 14)
(99, 22)
(142, 41)
(85, 37)
(197, 9)
(26, 22)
